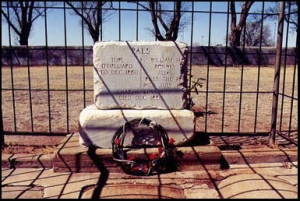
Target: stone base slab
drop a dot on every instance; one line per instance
(70, 157)
(97, 127)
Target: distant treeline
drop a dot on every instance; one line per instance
(199, 55)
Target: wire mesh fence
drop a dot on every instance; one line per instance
(49, 81)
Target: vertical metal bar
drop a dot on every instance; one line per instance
(209, 33)
(277, 74)
(1, 115)
(12, 73)
(47, 68)
(283, 92)
(241, 82)
(29, 88)
(1, 125)
(66, 66)
(137, 22)
(191, 58)
(259, 66)
(207, 73)
(156, 10)
(101, 26)
(293, 86)
(241, 95)
(225, 69)
(119, 21)
(284, 71)
(83, 57)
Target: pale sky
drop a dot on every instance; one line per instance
(60, 35)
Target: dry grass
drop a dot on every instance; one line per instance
(240, 113)
(43, 103)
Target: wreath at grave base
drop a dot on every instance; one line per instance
(163, 161)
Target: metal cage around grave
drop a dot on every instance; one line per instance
(249, 89)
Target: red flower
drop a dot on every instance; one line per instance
(160, 149)
(171, 141)
(131, 158)
(117, 141)
(152, 156)
(142, 168)
(145, 168)
(135, 168)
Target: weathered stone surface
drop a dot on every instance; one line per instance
(140, 75)
(21, 192)
(256, 186)
(97, 127)
(135, 191)
(200, 191)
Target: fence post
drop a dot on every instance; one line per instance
(277, 73)
(2, 129)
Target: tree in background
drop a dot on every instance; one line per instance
(257, 34)
(93, 14)
(291, 13)
(20, 16)
(255, 31)
(236, 28)
(170, 21)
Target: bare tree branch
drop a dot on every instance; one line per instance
(92, 14)
(20, 16)
(10, 22)
(159, 17)
(236, 29)
(170, 24)
(154, 21)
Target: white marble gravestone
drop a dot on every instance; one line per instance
(137, 79)
(140, 75)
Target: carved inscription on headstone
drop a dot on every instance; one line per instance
(140, 75)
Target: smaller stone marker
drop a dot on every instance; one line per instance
(97, 127)
(140, 75)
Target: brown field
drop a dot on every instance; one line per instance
(239, 113)
(247, 112)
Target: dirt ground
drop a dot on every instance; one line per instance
(30, 144)
(220, 106)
